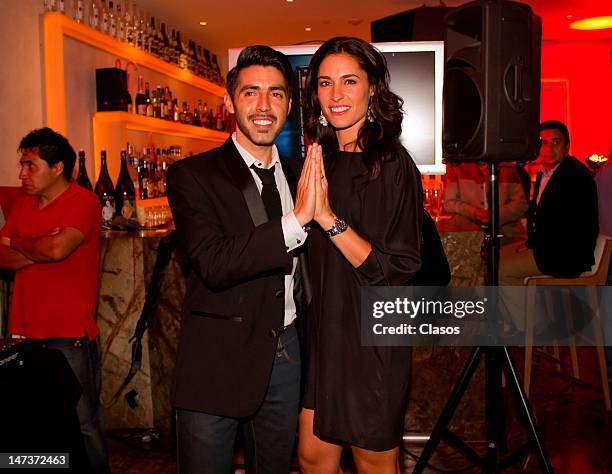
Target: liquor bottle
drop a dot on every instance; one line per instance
(148, 101)
(150, 183)
(165, 46)
(217, 70)
(133, 168)
(79, 10)
(196, 114)
(152, 35)
(183, 114)
(208, 65)
(154, 181)
(106, 192)
(130, 24)
(167, 104)
(50, 5)
(181, 51)
(156, 93)
(120, 20)
(176, 113)
(94, 15)
(140, 30)
(82, 178)
(125, 196)
(173, 54)
(201, 66)
(143, 175)
(103, 17)
(112, 19)
(61, 6)
(210, 118)
(141, 101)
(164, 170)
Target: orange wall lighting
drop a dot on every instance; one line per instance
(595, 23)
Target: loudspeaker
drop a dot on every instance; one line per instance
(38, 403)
(111, 90)
(420, 24)
(491, 82)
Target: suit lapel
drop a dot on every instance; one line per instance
(244, 180)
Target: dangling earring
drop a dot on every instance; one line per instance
(370, 114)
(322, 120)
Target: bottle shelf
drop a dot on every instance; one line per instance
(56, 26)
(112, 130)
(141, 123)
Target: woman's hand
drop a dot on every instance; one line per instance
(323, 213)
(305, 200)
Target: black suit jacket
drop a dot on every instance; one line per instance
(234, 305)
(563, 227)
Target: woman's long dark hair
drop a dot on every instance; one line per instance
(379, 139)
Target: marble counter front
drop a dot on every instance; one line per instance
(126, 267)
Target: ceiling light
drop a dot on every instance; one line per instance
(289, 1)
(308, 28)
(203, 23)
(595, 23)
(569, 17)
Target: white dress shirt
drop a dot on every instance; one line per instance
(546, 175)
(293, 232)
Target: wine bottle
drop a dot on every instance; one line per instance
(82, 178)
(141, 101)
(106, 192)
(125, 195)
(148, 101)
(196, 114)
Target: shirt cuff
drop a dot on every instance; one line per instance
(293, 232)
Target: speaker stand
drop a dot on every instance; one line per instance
(497, 359)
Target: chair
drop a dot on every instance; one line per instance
(595, 277)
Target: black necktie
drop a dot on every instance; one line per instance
(269, 192)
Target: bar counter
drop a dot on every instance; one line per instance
(127, 261)
(126, 265)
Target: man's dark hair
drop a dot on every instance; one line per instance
(51, 147)
(556, 125)
(259, 55)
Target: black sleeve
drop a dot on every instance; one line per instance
(220, 260)
(392, 215)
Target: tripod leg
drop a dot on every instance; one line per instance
(449, 410)
(494, 406)
(524, 407)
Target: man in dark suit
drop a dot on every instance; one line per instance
(238, 362)
(563, 224)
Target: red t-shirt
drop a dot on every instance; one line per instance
(57, 299)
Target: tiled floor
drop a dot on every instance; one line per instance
(577, 430)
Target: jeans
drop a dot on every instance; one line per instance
(205, 443)
(84, 359)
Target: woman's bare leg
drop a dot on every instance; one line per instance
(315, 455)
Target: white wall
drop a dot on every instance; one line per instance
(21, 80)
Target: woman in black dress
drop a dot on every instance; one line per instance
(369, 214)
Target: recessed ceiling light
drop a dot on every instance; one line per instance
(203, 23)
(595, 23)
(289, 1)
(569, 17)
(308, 28)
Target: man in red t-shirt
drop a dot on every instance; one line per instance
(51, 238)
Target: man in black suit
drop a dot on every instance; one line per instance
(238, 362)
(563, 219)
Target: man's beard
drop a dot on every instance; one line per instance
(263, 139)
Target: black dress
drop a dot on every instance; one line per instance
(359, 393)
